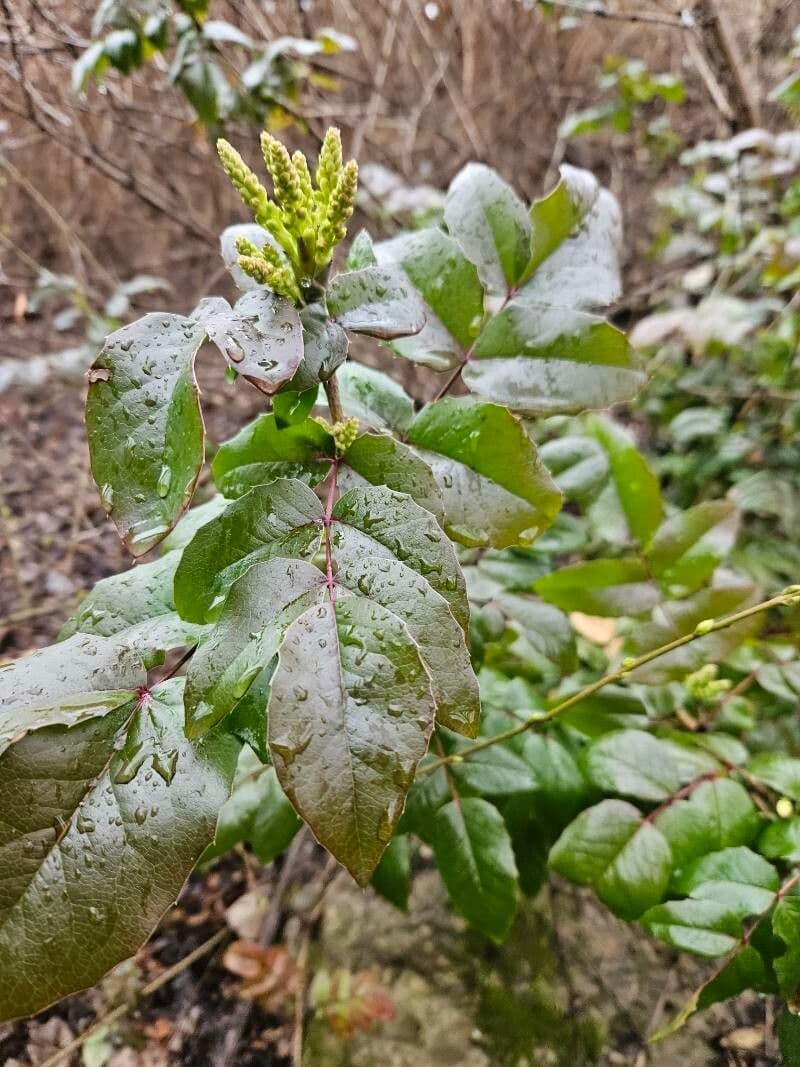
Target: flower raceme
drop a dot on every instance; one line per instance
(305, 222)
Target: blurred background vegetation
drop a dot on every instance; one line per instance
(111, 201)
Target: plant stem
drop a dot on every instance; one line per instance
(781, 600)
(331, 387)
(64, 1054)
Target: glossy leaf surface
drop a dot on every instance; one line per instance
(144, 426)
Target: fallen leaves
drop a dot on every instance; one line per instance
(269, 975)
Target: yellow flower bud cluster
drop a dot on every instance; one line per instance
(704, 685)
(305, 222)
(343, 432)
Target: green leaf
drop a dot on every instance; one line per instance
(378, 459)
(496, 490)
(261, 337)
(543, 628)
(717, 815)
(392, 877)
(324, 348)
(487, 218)
(448, 283)
(780, 772)
(257, 813)
(279, 519)
(109, 818)
(579, 465)
(737, 877)
(560, 785)
(745, 969)
(688, 547)
(609, 587)
(555, 216)
(374, 398)
(675, 619)
(263, 451)
(545, 351)
(93, 61)
(636, 486)
(285, 518)
(137, 606)
(368, 522)
(361, 252)
(291, 408)
(536, 358)
(144, 426)
(438, 636)
(781, 840)
(258, 608)
(493, 773)
(626, 861)
(633, 763)
(350, 714)
(703, 927)
(476, 861)
(81, 678)
(192, 521)
(377, 301)
(786, 926)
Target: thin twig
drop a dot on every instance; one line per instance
(65, 1053)
(627, 666)
(601, 11)
(266, 935)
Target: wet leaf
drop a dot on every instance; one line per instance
(377, 301)
(374, 398)
(496, 490)
(350, 714)
(448, 283)
(261, 337)
(109, 817)
(81, 678)
(263, 451)
(145, 428)
(489, 221)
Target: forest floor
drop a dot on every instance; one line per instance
(571, 986)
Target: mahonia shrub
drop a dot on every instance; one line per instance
(388, 625)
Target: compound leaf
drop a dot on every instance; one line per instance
(81, 678)
(103, 822)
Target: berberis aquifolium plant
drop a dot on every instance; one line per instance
(331, 606)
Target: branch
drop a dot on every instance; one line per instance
(592, 7)
(691, 1005)
(787, 598)
(65, 1054)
